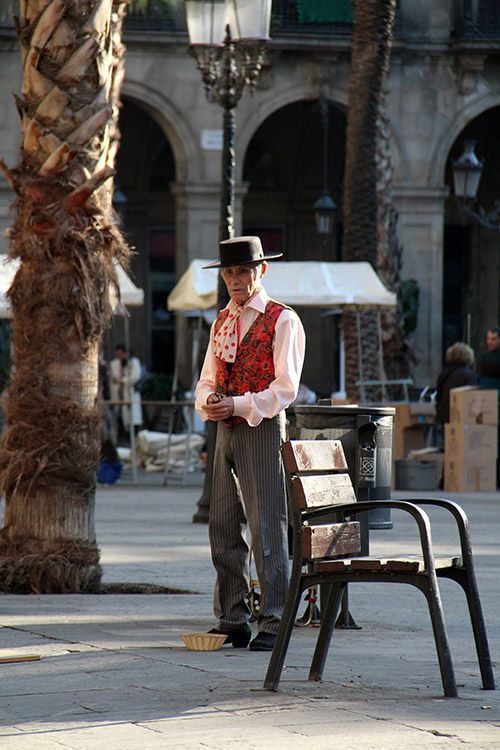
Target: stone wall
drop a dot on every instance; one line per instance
(435, 92)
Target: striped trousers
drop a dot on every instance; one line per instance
(249, 488)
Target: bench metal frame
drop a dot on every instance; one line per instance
(423, 575)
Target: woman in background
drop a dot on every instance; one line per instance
(457, 372)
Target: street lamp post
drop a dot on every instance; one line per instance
(228, 40)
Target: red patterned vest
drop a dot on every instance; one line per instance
(253, 368)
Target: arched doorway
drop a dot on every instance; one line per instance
(471, 257)
(145, 169)
(284, 171)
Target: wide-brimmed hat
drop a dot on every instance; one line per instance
(240, 251)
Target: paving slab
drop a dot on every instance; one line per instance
(114, 673)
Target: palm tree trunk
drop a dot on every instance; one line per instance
(371, 46)
(65, 236)
(398, 355)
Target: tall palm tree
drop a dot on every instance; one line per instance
(65, 237)
(398, 354)
(370, 54)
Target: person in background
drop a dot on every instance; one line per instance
(251, 373)
(458, 371)
(125, 374)
(489, 363)
(489, 375)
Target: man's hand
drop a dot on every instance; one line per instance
(219, 407)
(214, 398)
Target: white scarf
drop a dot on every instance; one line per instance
(227, 340)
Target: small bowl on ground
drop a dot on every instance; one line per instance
(203, 641)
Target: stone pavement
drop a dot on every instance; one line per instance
(114, 673)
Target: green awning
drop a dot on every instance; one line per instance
(324, 11)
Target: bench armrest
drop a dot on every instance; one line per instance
(363, 506)
(459, 515)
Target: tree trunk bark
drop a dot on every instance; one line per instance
(65, 236)
(398, 355)
(371, 46)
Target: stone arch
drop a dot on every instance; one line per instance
(172, 123)
(303, 92)
(162, 159)
(271, 103)
(453, 129)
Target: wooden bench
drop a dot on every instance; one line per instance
(327, 550)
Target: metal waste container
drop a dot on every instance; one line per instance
(366, 436)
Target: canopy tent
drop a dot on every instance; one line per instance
(305, 283)
(130, 294)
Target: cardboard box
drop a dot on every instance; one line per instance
(472, 443)
(471, 405)
(411, 423)
(462, 476)
(417, 412)
(470, 456)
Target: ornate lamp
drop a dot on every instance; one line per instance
(467, 170)
(324, 214)
(228, 39)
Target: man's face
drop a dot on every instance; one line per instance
(243, 281)
(492, 341)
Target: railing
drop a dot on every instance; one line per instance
(308, 16)
(473, 20)
(156, 15)
(288, 16)
(184, 409)
(477, 20)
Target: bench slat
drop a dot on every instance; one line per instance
(314, 455)
(329, 489)
(369, 564)
(331, 540)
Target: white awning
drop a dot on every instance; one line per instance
(130, 294)
(296, 283)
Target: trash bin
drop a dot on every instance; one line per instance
(366, 436)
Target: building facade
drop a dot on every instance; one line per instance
(443, 88)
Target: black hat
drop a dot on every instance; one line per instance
(240, 251)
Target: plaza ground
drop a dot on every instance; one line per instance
(114, 672)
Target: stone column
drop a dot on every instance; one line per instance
(197, 220)
(197, 236)
(421, 225)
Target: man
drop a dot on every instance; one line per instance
(489, 368)
(250, 375)
(489, 374)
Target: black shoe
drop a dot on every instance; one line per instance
(238, 637)
(263, 642)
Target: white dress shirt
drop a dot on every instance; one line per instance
(288, 358)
